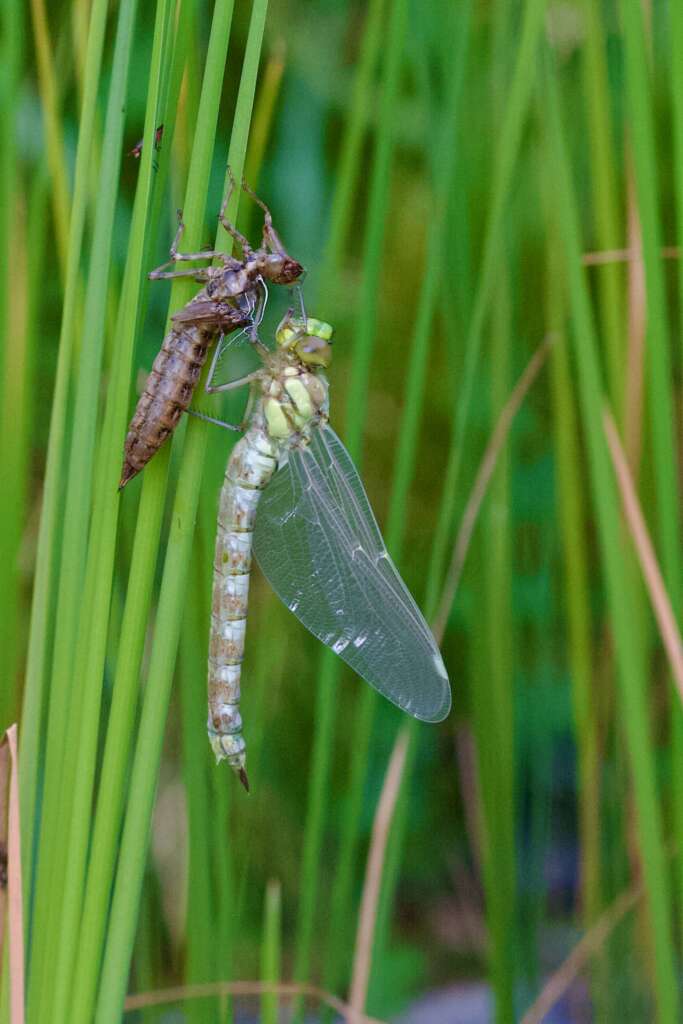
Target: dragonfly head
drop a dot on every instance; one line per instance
(309, 339)
(279, 268)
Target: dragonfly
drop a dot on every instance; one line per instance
(293, 498)
(234, 296)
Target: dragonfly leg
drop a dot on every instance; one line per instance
(228, 225)
(200, 274)
(270, 236)
(186, 257)
(300, 297)
(214, 419)
(232, 384)
(257, 312)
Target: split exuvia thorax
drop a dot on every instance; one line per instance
(291, 401)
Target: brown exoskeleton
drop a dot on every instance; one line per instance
(234, 295)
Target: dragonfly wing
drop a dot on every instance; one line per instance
(318, 543)
(213, 315)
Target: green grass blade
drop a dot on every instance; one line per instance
(570, 502)
(608, 232)
(201, 919)
(628, 648)
(659, 368)
(404, 469)
(58, 792)
(91, 647)
(14, 318)
(43, 589)
(507, 151)
(148, 751)
(271, 952)
(54, 131)
(349, 165)
(143, 561)
(355, 418)
(17, 420)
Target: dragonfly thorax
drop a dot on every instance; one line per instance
(294, 399)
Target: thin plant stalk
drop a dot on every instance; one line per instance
(405, 462)
(618, 580)
(504, 163)
(364, 339)
(271, 950)
(40, 630)
(59, 758)
(150, 737)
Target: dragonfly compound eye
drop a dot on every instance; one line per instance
(314, 351)
(281, 269)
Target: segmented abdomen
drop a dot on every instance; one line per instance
(168, 393)
(250, 467)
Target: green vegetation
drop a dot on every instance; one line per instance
(443, 171)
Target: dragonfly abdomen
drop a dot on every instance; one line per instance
(167, 395)
(251, 465)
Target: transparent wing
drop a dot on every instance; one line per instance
(317, 541)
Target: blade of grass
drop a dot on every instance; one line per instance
(54, 131)
(13, 942)
(13, 453)
(212, 914)
(125, 690)
(58, 791)
(676, 71)
(404, 468)
(350, 161)
(17, 431)
(356, 411)
(264, 110)
(658, 370)
(12, 50)
(606, 196)
(504, 162)
(570, 501)
(148, 751)
(40, 633)
(362, 959)
(201, 919)
(661, 605)
(628, 652)
(81, 754)
(12, 255)
(271, 952)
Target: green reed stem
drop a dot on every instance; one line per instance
(58, 790)
(355, 418)
(404, 469)
(120, 730)
(40, 633)
(608, 230)
(92, 640)
(271, 951)
(628, 640)
(507, 151)
(171, 602)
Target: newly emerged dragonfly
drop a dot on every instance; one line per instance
(292, 492)
(233, 297)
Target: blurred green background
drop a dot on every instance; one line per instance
(469, 184)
